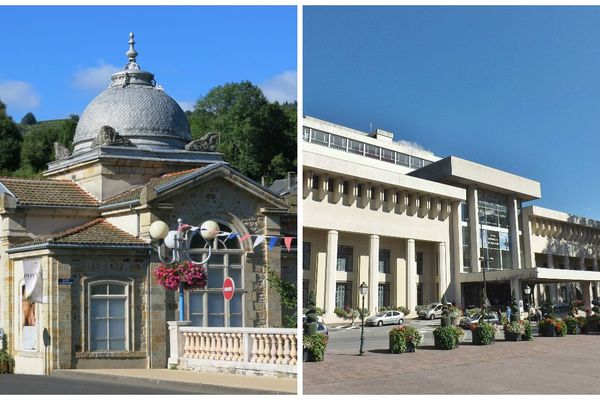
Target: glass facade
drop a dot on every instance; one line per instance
(364, 149)
(384, 261)
(344, 258)
(494, 230)
(343, 294)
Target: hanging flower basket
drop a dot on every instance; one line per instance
(170, 276)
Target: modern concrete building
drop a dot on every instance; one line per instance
(414, 227)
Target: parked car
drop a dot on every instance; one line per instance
(385, 318)
(431, 311)
(321, 327)
(490, 318)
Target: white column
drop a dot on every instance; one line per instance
(457, 255)
(411, 276)
(472, 200)
(550, 260)
(373, 273)
(443, 270)
(332, 249)
(513, 221)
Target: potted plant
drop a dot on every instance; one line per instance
(581, 323)
(528, 331)
(546, 327)
(6, 362)
(404, 339)
(447, 337)
(560, 327)
(592, 323)
(483, 333)
(572, 325)
(313, 344)
(455, 315)
(513, 331)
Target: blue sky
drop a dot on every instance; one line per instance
(515, 88)
(57, 59)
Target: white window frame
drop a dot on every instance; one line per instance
(239, 289)
(127, 295)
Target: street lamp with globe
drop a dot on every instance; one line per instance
(177, 242)
(363, 289)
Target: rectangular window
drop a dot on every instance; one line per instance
(416, 162)
(384, 261)
(388, 155)
(464, 212)
(383, 295)
(306, 135)
(306, 248)
(344, 258)
(330, 184)
(355, 147)
(343, 294)
(108, 317)
(345, 187)
(402, 159)
(420, 294)
(466, 248)
(372, 151)
(315, 182)
(320, 137)
(338, 142)
(419, 263)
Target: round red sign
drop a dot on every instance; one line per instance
(228, 288)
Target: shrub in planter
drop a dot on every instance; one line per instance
(345, 313)
(314, 347)
(572, 325)
(447, 337)
(546, 327)
(528, 331)
(483, 333)
(455, 314)
(581, 324)
(592, 323)
(7, 363)
(561, 328)
(404, 339)
(514, 330)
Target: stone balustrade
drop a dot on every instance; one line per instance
(265, 350)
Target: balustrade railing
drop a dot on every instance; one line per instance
(264, 349)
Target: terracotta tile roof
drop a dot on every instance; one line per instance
(96, 232)
(134, 194)
(48, 192)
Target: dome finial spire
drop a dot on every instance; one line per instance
(131, 54)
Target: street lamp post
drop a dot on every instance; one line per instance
(178, 242)
(527, 290)
(363, 288)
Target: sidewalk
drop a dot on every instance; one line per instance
(280, 385)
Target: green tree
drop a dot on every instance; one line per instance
(67, 131)
(10, 141)
(37, 149)
(28, 119)
(257, 138)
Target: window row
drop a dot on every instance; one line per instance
(364, 149)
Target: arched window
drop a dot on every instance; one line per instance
(108, 316)
(207, 307)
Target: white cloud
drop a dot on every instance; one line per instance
(281, 87)
(413, 145)
(19, 95)
(94, 78)
(186, 105)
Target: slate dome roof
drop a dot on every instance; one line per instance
(137, 109)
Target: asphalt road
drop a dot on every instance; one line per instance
(96, 384)
(345, 340)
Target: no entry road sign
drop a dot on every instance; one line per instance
(228, 288)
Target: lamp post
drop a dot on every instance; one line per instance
(527, 290)
(178, 242)
(363, 288)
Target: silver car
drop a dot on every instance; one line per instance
(431, 311)
(385, 318)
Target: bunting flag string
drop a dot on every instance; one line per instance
(270, 240)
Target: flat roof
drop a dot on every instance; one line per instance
(536, 211)
(455, 170)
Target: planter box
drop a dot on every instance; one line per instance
(308, 356)
(548, 331)
(5, 367)
(439, 346)
(477, 340)
(511, 336)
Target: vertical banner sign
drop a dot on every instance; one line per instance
(504, 241)
(32, 278)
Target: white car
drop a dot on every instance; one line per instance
(386, 317)
(431, 311)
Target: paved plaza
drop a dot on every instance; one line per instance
(569, 365)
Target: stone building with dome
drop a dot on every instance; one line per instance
(82, 231)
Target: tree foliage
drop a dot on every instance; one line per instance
(289, 298)
(28, 119)
(257, 137)
(10, 141)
